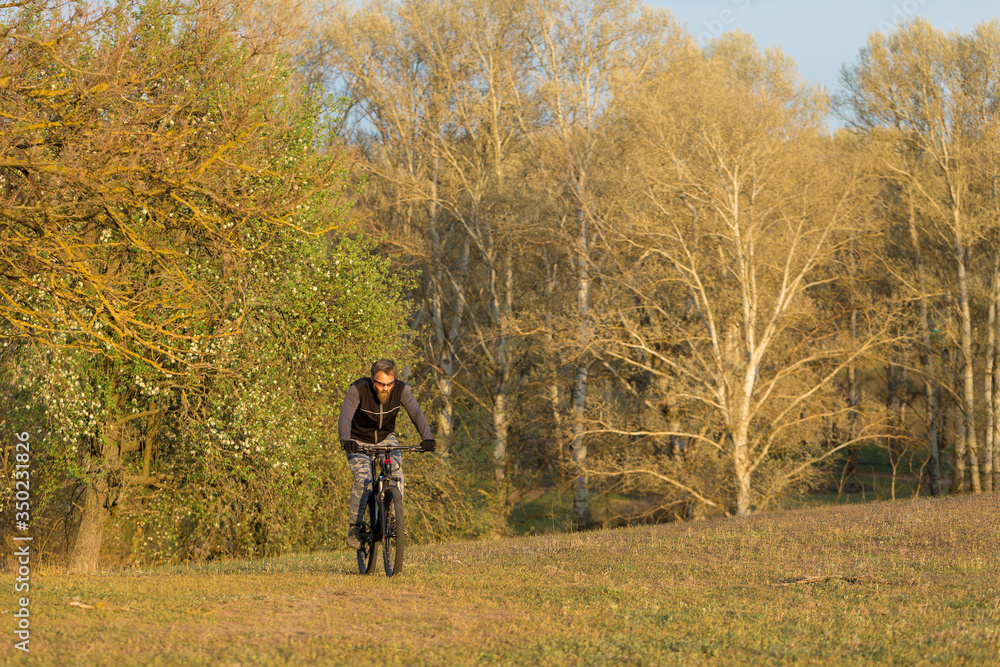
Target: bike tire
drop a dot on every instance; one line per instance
(369, 541)
(393, 532)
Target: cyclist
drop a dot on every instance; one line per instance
(369, 416)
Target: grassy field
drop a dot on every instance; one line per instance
(909, 582)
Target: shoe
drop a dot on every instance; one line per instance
(353, 541)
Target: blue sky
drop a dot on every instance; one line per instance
(822, 36)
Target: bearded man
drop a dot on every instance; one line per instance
(369, 416)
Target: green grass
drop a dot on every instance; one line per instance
(909, 582)
(548, 513)
(551, 512)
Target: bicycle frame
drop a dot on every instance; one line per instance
(384, 482)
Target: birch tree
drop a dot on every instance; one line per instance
(931, 96)
(584, 54)
(742, 215)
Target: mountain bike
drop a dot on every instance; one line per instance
(383, 516)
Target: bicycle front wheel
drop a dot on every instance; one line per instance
(393, 532)
(369, 540)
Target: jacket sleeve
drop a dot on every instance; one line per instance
(351, 402)
(416, 416)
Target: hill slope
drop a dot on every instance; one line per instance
(905, 582)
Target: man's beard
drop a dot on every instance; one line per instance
(383, 395)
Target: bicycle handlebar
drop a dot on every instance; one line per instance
(372, 449)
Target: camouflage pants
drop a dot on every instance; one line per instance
(363, 478)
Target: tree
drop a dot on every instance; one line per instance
(743, 212)
(254, 461)
(585, 58)
(930, 99)
(399, 105)
(435, 85)
(149, 154)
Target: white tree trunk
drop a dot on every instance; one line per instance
(581, 487)
(742, 472)
(930, 395)
(501, 424)
(959, 429)
(992, 385)
(854, 402)
(968, 378)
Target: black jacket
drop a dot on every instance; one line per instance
(364, 419)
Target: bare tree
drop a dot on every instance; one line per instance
(585, 53)
(744, 212)
(930, 97)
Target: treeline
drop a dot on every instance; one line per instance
(611, 260)
(646, 266)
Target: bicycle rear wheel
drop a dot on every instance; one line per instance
(369, 541)
(393, 532)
